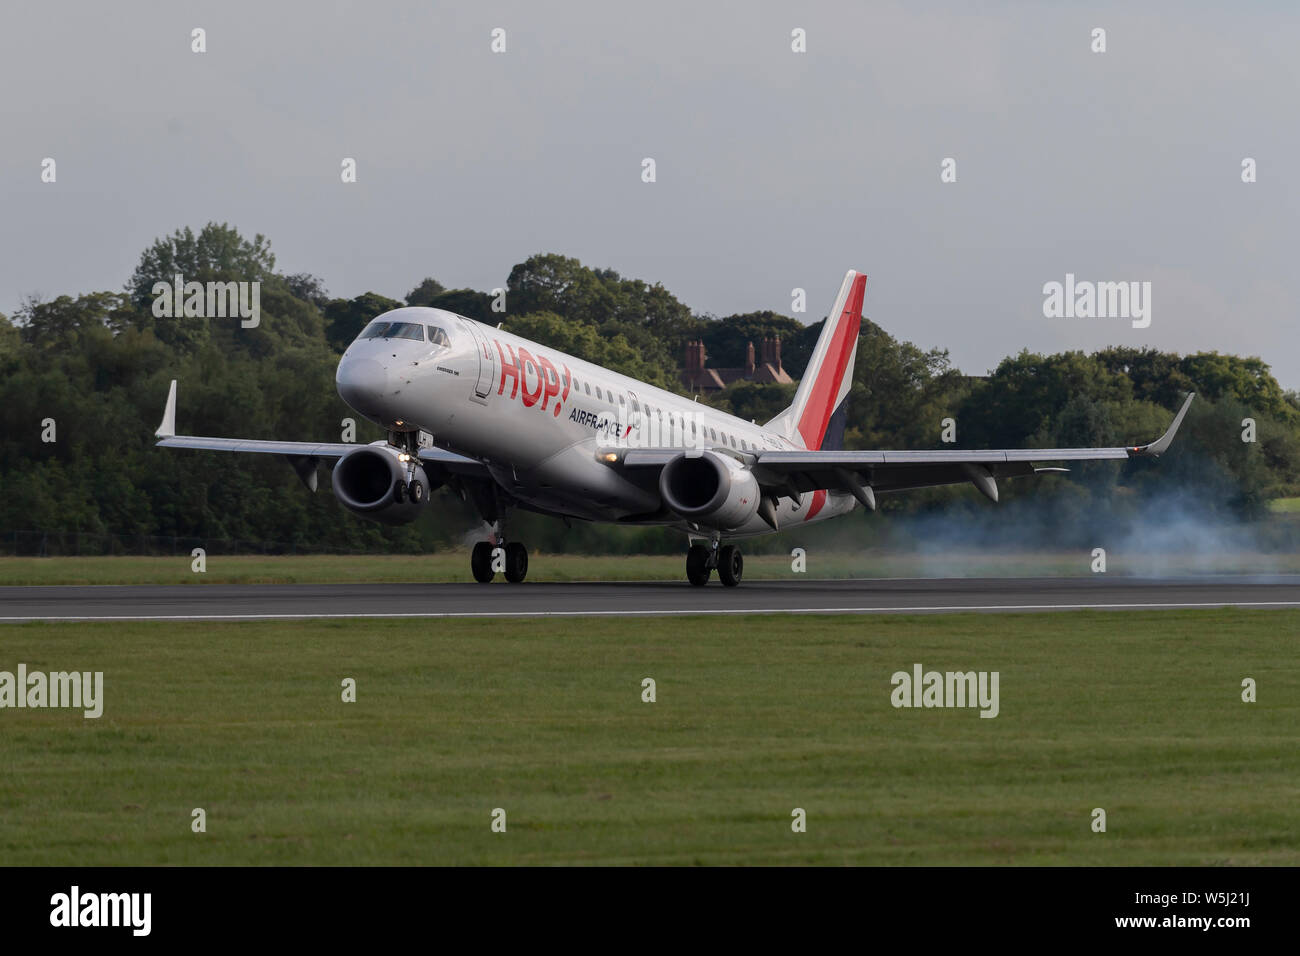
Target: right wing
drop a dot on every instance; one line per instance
(865, 473)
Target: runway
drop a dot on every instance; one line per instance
(879, 596)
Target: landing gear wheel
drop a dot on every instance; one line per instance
(730, 565)
(399, 491)
(416, 492)
(697, 565)
(480, 562)
(516, 562)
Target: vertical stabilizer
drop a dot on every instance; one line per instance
(816, 419)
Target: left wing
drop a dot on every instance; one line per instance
(865, 473)
(302, 455)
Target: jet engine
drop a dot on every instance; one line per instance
(715, 490)
(371, 482)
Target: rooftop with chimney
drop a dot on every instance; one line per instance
(697, 377)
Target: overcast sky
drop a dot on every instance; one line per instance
(775, 169)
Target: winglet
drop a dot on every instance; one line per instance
(168, 427)
(1161, 444)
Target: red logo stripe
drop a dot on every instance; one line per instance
(818, 502)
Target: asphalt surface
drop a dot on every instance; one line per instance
(880, 596)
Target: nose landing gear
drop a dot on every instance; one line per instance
(410, 488)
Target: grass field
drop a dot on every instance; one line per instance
(1139, 714)
(454, 566)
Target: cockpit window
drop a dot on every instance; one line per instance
(394, 330)
(438, 337)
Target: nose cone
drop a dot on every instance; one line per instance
(363, 384)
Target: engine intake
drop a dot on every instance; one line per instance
(715, 490)
(371, 482)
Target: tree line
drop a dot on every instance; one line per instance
(83, 379)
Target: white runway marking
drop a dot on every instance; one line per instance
(923, 609)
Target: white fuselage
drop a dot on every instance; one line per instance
(538, 419)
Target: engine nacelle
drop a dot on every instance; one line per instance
(715, 490)
(371, 482)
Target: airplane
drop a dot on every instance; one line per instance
(507, 423)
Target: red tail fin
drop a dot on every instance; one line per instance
(816, 419)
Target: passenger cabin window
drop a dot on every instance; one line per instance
(395, 330)
(598, 395)
(586, 387)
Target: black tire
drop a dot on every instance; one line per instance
(516, 562)
(731, 565)
(416, 492)
(697, 565)
(399, 491)
(480, 562)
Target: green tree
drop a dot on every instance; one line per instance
(309, 288)
(1247, 380)
(425, 292)
(725, 339)
(218, 252)
(58, 323)
(466, 302)
(9, 338)
(1026, 394)
(900, 393)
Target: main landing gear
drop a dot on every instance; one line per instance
(489, 557)
(701, 560)
(494, 556)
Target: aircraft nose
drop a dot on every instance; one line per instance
(362, 383)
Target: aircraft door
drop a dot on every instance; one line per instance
(487, 362)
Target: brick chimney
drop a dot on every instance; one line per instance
(772, 352)
(749, 360)
(694, 356)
